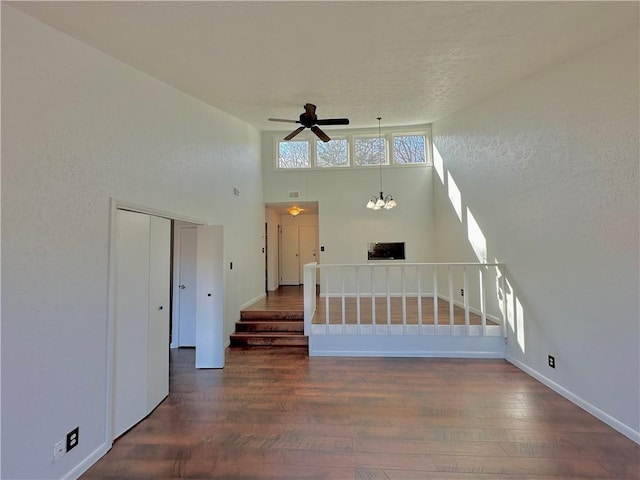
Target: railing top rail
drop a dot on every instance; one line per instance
(405, 264)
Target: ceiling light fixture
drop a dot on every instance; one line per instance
(294, 211)
(377, 202)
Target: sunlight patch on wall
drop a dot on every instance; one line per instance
(506, 300)
(476, 238)
(520, 324)
(454, 195)
(438, 164)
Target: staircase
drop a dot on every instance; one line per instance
(270, 328)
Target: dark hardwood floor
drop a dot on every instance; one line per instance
(278, 414)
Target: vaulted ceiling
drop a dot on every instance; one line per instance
(409, 62)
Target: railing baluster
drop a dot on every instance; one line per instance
(404, 302)
(419, 292)
(388, 301)
(465, 286)
(435, 299)
(373, 301)
(326, 300)
(505, 317)
(342, 299)
(358, 298)
(450, 301)
(483, 306)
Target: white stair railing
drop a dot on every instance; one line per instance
(396, 288)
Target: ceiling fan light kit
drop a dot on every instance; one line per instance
(379, 202)
(310, 120)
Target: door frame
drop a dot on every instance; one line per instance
(115, 205)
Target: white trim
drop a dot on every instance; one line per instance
(579, 401)
(449, 346)
(124, 205)
(87, 462)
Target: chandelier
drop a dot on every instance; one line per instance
(383, 201)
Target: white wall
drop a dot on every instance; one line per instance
(549, 169)
(345, 224)
(79, 127)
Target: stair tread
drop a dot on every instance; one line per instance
(267, 334)
(285, 315)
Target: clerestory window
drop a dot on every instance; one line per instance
(361, 149)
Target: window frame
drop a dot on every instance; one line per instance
(427, 143)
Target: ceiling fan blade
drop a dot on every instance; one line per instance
(333, 121)
(294, 133)
(282, 120)
(321, 135)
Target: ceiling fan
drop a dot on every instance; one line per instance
(309, 119)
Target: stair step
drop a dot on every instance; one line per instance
(273, 326)
(268, 339)
(267, 315)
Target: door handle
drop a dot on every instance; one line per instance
(181, 287)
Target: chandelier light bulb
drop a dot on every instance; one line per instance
(375, 202)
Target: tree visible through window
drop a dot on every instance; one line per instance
(334, 153)
(293, 154)
(369, 151)
(409, 149)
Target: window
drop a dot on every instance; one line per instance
(403, 147)
(294, 154)
(369, 151)
(334, 153)
(409, 149)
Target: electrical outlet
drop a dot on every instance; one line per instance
(58, 451)
(462, 292)
(73, 437)
(552, 361)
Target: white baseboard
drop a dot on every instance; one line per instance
(85, 464)
(251, 302)
(582, 403)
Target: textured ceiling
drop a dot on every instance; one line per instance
(409, 62)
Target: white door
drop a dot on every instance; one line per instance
(131, 325)
(186, 320)
(289, 255)
(308, 247)
(158, 336)
(210, 297)
(141, 342)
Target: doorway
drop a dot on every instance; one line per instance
(131, 344)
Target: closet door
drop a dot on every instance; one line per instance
(131, 324)
(141, 343)
(158, 329)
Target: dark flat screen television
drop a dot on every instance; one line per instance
(385, 251)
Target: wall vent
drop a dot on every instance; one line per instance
(294, 194)
(236, 191)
